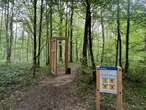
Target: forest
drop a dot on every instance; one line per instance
(89, 33)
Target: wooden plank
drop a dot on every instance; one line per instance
(66, 55)
(97, 88)
(55, 57)
(119, 90)
(51, 59)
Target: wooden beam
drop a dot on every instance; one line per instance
(97, 88)
(119, 90)
(66, 55)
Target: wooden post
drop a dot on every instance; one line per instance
(119, 90)
(53, 55)
(97, 89)
(66, 55)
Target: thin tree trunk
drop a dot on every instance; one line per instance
(11, 29)
(145, 49)
(66, 22)
(1, 27)
(119, 34)
(22, 45)
(60, 31)
(15, 41)
(40, 33)
(103, 38)
(34, 35)
(90, 46)
(7, 31)
(27, 51)
(51, 18)
(127, 38)
(71, 33)
(85, 42)
(76, 50)
(117, 52)
(47, 35)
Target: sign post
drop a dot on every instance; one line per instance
(109, 80)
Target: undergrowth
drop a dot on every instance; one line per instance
(18, 76)
(134, 93)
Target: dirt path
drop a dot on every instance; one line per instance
(52, 94)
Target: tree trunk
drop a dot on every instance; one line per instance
(34, 35)
(1, 28)
(40, 34)
(119, 34)
(145, 49)
(103, 38)
(47, 36)
(71, 33)
(85, 42)
(90, 46)
(127, 38)
(51, 18)
(66, 23)
(27, 51)
(117, 52)
(76, 50)
(7, 31)
(22, 45)
(11, 29)
(15, 41)
(60, 31)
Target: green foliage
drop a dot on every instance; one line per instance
(134, 93)
(14, 77)
(137, 73)
(83, 81)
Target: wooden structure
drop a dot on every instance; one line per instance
(118, 93)
(54, 41)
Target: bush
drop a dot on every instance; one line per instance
(137, 73)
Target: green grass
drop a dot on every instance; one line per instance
(134, 94)
(18, 76)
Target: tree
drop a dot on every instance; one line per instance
(60, 28)
(71, 32)
(22, 45)
(51, 5)
(7, 31)
(119, 41)
(34, 37)
(40, 34)
(85, 40)
(90, 43)
(47, 34)
(88, 39)
(103, 37)
(127, 38)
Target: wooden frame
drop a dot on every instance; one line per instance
(53, 53)
(119, 94)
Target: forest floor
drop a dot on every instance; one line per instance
(19, 91)
(52, 93)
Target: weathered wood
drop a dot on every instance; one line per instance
(119, 90)
(66, 56)
(97, 89)
(53, 53)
